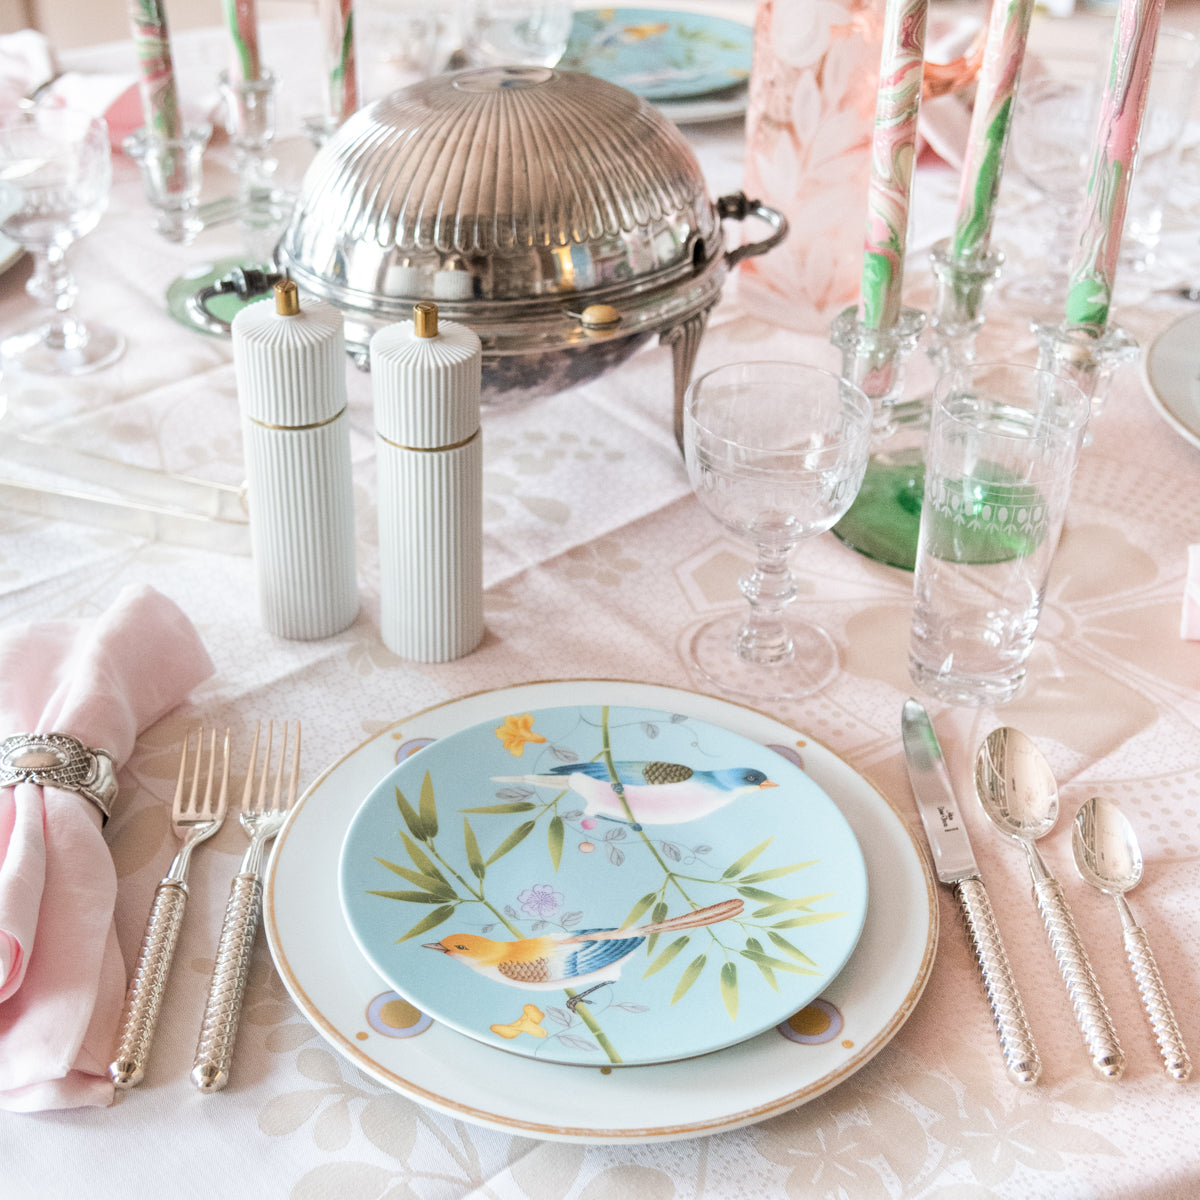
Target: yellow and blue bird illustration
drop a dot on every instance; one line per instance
(588, 958)
(657, 793)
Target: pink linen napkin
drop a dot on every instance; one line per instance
(62, 978)
(1190, 624)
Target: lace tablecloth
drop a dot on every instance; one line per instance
(598, 561)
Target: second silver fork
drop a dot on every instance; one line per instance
(261, 821)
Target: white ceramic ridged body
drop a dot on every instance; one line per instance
(431, 550)
(429, 457)
(296, 435)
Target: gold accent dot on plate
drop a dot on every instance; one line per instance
(810, 1021)
(847, 1044)
(361, 1035)
(399, 1014)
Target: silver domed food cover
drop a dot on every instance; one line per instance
(561, 217)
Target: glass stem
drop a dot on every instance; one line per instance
(769, 588)
(53, 287)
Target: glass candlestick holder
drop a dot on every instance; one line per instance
(963, 284)
(249, 113)
(172, 174)
(1086, 360)
(883, 520)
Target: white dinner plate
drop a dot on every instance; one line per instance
(369, 1024)
(1172, 372)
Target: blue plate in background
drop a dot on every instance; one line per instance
(660, 54)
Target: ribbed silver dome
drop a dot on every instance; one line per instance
(559, 216)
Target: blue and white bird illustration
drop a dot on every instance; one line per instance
(658, 793)
(588, 958)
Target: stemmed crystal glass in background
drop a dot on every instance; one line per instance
(55, 174)
(775, 451)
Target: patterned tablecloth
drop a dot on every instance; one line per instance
(598, 562)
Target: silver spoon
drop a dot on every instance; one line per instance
(1020, 796)
(1109, 858)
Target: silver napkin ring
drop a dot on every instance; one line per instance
(61, 761)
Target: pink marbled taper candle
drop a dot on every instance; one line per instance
(341, 73)
(1094, 258)
(242, 20)
(991, 123)
(893, 154)
(160, 104)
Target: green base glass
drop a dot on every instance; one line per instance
(885, 518)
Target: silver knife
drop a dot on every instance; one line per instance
(954, 863)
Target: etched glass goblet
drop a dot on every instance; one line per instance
(776, 452)
(55, 173)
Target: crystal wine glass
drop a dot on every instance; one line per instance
(776, 452)
(55, 173)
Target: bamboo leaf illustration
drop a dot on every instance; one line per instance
(428, 808)
(637, 910)
(778, 872)
(729, 988)
(776, 964)
(807, 919)
(515, 838)
(474, 858)
(666, 956)
(432, 921)
(420, 859)
(659, 914)
(410, 816)
(409, 897)
(690, 975)
(742, 863)
(430, 883)
(781, 906)
(766, 972)
(788, 948)
(753, 893)
(554, 840)
(517, 806)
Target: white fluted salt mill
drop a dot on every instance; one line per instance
(291, 380)
(425, 380)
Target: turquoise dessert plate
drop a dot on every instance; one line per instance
(660, 54)
(608, 886)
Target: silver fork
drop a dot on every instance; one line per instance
(261, 821)
(195, 818)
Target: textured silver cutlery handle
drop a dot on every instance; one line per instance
(218, 1032)
(1154, 997)
(1091, 1013)
(1008, 1013)
(148, 984)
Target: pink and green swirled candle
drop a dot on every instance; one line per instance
(991, 123)
(242, 20)
(341, 74)
(1094, 260)
(893, 154)
(160, 104)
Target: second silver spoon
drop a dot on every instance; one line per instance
(1020, 796)
(1109, 858)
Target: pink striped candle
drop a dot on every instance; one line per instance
(243, 27)
(160, 105)
(991, 123)
(1122, 105)
(337, 26)
(893, 154)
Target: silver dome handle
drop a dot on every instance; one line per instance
(737, 207)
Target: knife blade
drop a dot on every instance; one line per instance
(954, 863)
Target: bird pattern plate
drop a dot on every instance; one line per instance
(603, 885)
(660, 54)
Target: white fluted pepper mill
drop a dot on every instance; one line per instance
(291, 380)
(425, 380)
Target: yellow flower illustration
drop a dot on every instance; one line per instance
(516, 733)
(530, 1021)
